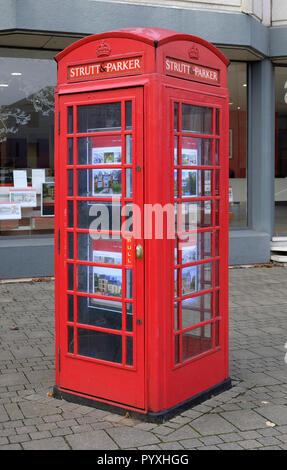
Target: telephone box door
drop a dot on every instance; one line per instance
(100, 289)
(199, 151)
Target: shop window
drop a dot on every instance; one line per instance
(237, 84)
(280, 151)
(27, 146)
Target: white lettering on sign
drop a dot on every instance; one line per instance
(97, 70)
(191, 71)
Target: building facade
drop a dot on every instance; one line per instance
(251, 33)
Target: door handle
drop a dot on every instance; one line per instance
(139, 251)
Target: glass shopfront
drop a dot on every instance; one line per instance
(237, 84)
(281, 151)
(26, 146)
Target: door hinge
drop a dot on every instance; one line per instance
(58, 122)
(59, 358)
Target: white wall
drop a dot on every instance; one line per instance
(267, 11)
(225, 5)
(279, 12)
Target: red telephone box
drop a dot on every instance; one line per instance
(141, 245)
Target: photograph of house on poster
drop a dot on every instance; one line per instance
(106, 155)
(189, 280)
(107, 182)
(107, 281)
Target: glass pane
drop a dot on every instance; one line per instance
(196, 247)
(196, 215)
(216, 243)
(196, 278)
(197, 119)
(196, 342)
(100, 280)
(175, 183)
(217, 152)
(70, 120)
(70, 151)
(175, 283)
(70, 245)
(189, 249)
(99, 215)
(129, 284)
(175, 116)
(27, 139)
(204, 245)
(100, 150)
(71, 339)
(130, 212)
(129, 183)
(217, 183)
(176, 251)
(176, 349)
(217, 312)
(280, 183)
(70, 276)
(70, 214)
(98, 312)
(176, 313)
(128, 149)
(176, 150)
(104, 346)
(100, 250)
(216, 210)
(217, 280)
(196, 310)
(189, 282)
(217, 121)
(196, 151)
(128, 115)
(204, 276)
(70, 182)
(129, 310)
(196, 183)
(70, 308)
(102, 182)
(238, 103)
(129, 357)
(99, 117)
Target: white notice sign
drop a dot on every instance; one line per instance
(38, 177)
(20, 179)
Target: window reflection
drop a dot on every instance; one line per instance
(237, 83)
(280, 151)
(27, 137)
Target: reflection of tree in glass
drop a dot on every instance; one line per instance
(189, 183)
(43, 101)
(10, 119)
(192, 182)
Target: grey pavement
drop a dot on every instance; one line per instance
(251, 415)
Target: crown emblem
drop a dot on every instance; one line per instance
(103, 50)
(193, 52)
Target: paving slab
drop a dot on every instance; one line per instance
(245, 420)
(52, 443)
(126, 437)
(91, 440)
(212, 424)
(275, 413)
